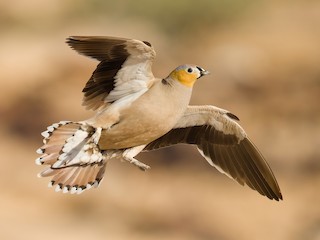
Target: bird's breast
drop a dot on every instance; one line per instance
(148, 118)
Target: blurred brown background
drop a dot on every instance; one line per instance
(264, 59)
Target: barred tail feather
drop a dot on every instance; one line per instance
(75, 179)
(75, 160)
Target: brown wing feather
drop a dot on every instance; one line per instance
(112, 54)
(100, 48)
(238, 159)
(100, 84)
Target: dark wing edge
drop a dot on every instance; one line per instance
(97, 47)
(237, 158)
(112, 52)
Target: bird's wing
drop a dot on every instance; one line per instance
(124, 70)
(225, 145)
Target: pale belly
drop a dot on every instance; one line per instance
(139, 126)
(132, 133)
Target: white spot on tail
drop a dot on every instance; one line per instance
(40, 151)
(58, 188)
(45, 134)
(38, 161)
(73, 190)
(65, 190)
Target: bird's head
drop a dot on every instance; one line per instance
(187, 74)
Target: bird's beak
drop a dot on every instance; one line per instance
(203, 73)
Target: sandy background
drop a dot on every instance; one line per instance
(264, 57)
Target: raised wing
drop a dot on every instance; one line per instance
(124, 69)
(225, 145)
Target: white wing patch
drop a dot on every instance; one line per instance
(130, 79)
(135, 76)
(216, 117)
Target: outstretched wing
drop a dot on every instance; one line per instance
(124, 69)
(225, 145)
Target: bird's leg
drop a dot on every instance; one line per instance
(137, 163)
(130, 153)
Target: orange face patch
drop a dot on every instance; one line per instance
(187, 79)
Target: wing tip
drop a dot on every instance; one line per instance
(277, 196)
(272, 189)
(72, 40)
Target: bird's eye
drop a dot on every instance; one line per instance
(190, 70)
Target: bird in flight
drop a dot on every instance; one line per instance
(135, 112)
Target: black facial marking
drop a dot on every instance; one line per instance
(147, 43)
(200, 69)
(232, 116)
(165, 82)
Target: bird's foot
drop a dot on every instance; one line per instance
(137, 163)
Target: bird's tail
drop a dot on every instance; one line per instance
(75, 161)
